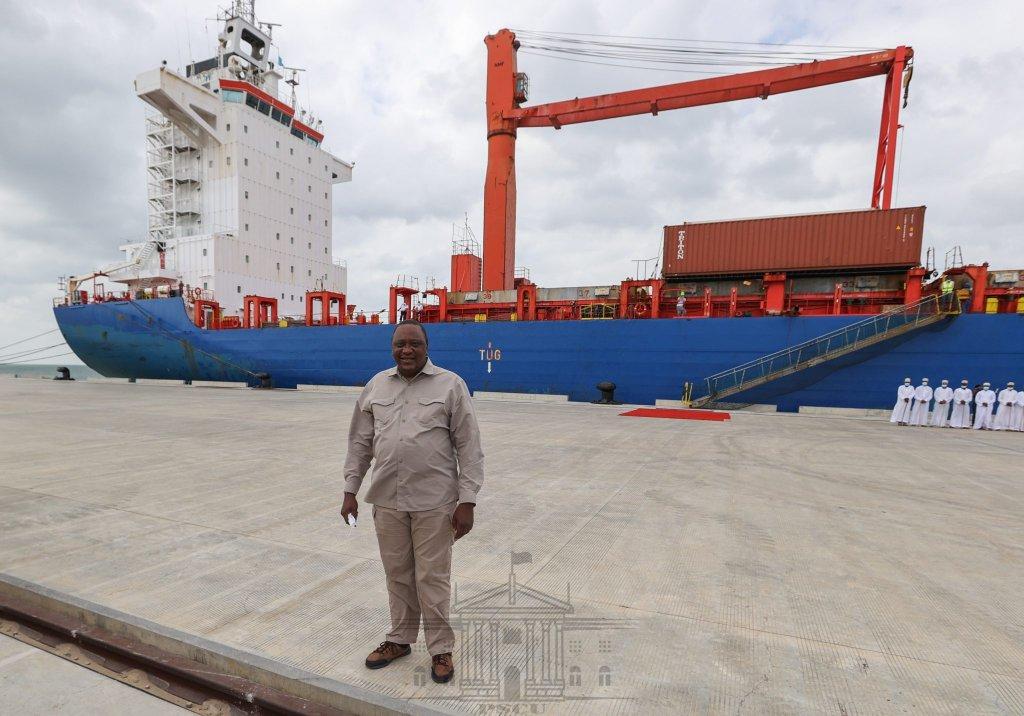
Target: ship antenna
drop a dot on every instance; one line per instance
(294, 81)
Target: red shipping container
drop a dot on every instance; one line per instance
(841, 240)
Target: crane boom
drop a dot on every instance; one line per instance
(505, 116)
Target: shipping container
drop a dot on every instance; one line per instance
(841, 240)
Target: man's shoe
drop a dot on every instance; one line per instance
(387, 652)
(443, 668)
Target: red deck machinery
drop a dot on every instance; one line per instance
(332, 308)
(258, 310)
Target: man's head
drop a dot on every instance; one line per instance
(945, 383)
(907, 381)
(986, 386)
(409, 347)
(1010, 384)
(964, 383)
(924, 381)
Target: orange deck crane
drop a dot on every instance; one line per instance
(506, 90)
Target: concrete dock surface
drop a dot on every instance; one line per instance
(765, 564)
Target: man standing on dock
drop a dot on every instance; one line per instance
(901, 411)
(922, 399)
(943, 395)
(416, 421)
(962, 398)
(1018, 412)
(984, 401)
(1004, 418)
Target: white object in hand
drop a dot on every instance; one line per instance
(351, 519)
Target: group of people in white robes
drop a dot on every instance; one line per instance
(953, 408)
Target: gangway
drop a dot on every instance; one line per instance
(829, 346)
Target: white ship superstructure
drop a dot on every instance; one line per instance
(239, 186)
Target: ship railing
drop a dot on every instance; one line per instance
(841, 340)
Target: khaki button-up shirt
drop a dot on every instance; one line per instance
(424, 439)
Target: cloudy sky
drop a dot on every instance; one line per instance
(400, 87)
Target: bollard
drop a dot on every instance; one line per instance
(63, 373)
(607, 389)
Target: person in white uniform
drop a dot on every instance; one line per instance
(901, 411)
(1004, 418)
(943, 396)
(922, 399)
(1018, 412)
(962, 397)
(984, 401)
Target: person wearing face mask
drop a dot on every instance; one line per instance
(943, 397)
(984, 402)
(1004, 419)
(922, 399)
(904, 396)
(962, 397)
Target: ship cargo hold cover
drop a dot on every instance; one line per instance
(871, 238)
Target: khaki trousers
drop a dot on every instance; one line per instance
(416, 549)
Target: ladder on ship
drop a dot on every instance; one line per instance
(829, 346)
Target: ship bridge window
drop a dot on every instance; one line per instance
(264, 107)
(252, 101)
(275, 114)
(232, 96)
(285, 119)
(310, 140)
(297, 133)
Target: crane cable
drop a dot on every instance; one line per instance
(29, 360)
(26, 340)
(22, 354)
(622, 49)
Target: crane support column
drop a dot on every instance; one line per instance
(885, 160)
(500, 183)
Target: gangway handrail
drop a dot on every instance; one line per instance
(908, 315)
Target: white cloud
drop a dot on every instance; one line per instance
(400, 87)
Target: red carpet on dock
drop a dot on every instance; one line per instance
(677, 414)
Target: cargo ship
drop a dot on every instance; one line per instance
(236, 279)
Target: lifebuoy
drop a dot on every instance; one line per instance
(641, 309)
(197, 292)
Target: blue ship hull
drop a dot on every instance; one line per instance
(646, 359)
